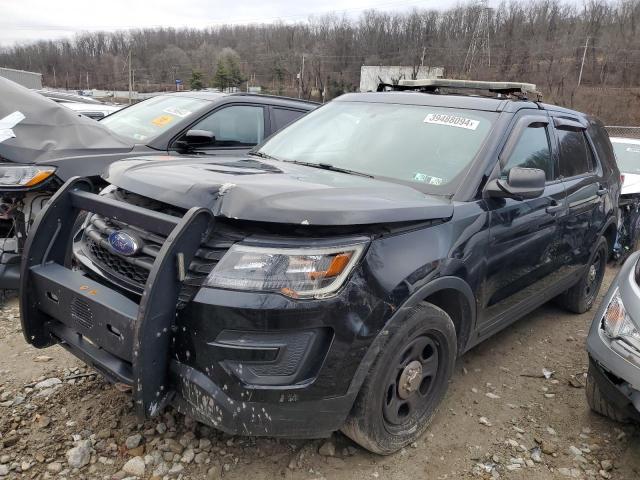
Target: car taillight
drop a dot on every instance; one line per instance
(621, 179)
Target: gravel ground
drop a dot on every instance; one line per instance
(501, 419)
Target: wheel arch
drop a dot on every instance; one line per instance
(451, 294)
(610, 233)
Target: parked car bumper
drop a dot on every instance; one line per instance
(616, 363)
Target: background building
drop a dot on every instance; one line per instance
(31, 80)
(371, 76)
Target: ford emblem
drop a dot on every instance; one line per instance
(123, 243)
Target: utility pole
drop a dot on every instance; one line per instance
(584, 55)
(87, 80)
(130, 85)
(55, 84)
(480, 37)
(300, 79)
(173, 69)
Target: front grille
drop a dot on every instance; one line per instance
(132, 272)
(116, 264)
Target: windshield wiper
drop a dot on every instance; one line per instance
(328, 166)
(263, 155)
(322, 166)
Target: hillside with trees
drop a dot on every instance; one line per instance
(543, 42)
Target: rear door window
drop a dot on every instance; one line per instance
(601, 142)
(284, 116)
(576, 157)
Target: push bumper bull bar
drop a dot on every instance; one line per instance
(128, 342)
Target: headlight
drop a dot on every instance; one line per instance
(23, 175)
(294, 272)
(616, 321)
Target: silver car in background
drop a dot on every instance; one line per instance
(613, 381)
(627, 152)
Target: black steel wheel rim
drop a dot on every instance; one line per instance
(412, 377)
(594, 276)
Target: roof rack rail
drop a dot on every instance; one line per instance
(266, 95)
(434, 85)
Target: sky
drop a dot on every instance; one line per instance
(22, 21)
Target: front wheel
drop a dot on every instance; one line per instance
(407, 382)
(580, 297)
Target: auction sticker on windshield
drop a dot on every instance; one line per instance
(162, 120)
(451, 121)
(177, 111)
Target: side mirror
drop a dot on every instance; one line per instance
(521, 184)
(194, 138)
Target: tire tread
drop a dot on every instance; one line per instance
(573, 299)
(598, 403)
(358, 427)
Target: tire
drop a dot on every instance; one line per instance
(581, 297)
(398, 399)
(599, 404)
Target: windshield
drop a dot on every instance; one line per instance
(628, 156)
(146, 120)
(424, 146)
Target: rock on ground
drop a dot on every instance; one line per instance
(79, 456)
(134, 466)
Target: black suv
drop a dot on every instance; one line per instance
(329, 279)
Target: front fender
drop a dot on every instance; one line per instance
(417, 296)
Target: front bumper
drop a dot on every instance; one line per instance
(617, 392)
(245, 363)
(616, 364)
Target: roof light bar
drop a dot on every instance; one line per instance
(434, 84)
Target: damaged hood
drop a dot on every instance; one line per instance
(35, 129)
(249, 188)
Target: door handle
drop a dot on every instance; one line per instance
(602, 191)
(554, 207)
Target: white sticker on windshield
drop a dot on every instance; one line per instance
(177, 111)
(451, 121)
(633, 149)
(424, 178)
